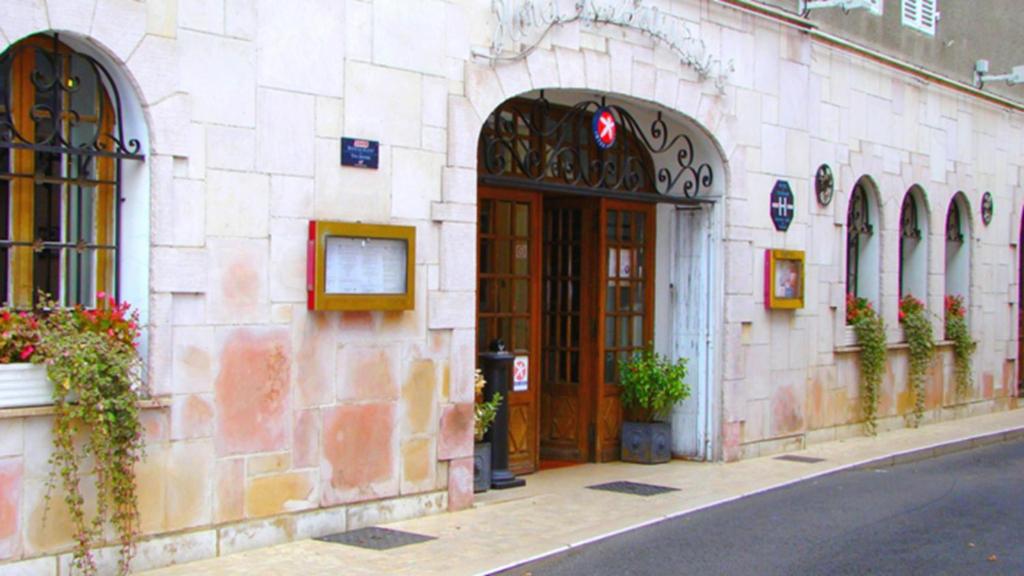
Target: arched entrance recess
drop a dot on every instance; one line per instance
(594, 239)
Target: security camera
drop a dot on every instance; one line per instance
(981, 75)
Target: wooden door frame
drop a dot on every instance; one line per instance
(603, 447)
(532, 395)
(587, 330)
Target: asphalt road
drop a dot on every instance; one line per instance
(958, 514)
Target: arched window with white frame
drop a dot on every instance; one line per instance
(863, 242)
(64, 155)
(958, 247)
(913, 239)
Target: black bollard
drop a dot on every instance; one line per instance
(496, 366)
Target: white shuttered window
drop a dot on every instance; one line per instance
(921, 15)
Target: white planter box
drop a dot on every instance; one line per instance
(24, 385)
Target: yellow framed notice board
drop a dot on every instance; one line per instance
(354, 266)
(783, 279)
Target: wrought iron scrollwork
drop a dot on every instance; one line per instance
(59, 77)
(858, 225)
(909, 227)
(954, 232)
(549, 143)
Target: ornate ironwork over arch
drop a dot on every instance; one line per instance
(954, 228)
(62, 143)
(551, 147)
(67, 85)
(858, 225)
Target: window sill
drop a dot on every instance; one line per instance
(157, 403)
(889, 346)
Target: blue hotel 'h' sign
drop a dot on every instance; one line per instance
(781, 205)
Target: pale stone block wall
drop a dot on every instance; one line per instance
(281, 423)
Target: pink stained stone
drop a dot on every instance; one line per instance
(306, 443)
(360, 453)
(460, 484)
(366, 374)
(456, 435)
(11, 472)
(786, 414)
(252, 391)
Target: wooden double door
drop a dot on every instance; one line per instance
(567, 283)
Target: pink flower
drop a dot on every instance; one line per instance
(27, 352)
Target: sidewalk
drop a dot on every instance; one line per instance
(555, 511)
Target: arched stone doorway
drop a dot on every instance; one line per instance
(594, 239)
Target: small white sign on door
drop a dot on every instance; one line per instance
(521, 374)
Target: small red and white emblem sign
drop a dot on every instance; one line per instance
(604, 128)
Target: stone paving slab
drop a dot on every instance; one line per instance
(555, 511)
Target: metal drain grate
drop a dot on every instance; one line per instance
(376, 538)
(801, 459)
(634, 488)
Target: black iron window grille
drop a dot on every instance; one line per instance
(61, 147)
(858, 230)
(551, 147)
(954, 231)
(910, 232)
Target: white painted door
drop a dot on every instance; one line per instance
(692, 329)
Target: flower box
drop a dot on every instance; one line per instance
(24, 385)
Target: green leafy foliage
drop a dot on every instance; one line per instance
(652, 384)
(963, 345)
(91, 357)
(483, 412)
(870, 330)
(918, 330)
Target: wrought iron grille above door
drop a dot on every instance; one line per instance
(550, 147)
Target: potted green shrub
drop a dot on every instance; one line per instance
(483, 416)
(651, 385)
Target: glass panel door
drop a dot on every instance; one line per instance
(626, 299)
(507, 262)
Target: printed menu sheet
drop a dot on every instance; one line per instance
(365, 265)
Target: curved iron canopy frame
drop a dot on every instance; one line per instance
(553, 156)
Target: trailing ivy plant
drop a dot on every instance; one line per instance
(918, 330)
(91, 357)
(870, 331)
(652, 384)
(963, 344)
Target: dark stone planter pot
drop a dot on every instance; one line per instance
(481, 466)
(646, 442)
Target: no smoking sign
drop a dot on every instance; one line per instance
(521, 374)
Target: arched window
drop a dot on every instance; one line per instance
(862, 244)
(62, 144)
(958, 247)
(914, 245)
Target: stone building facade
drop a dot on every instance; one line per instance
(272, 422)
